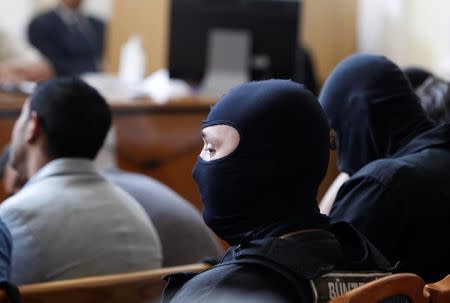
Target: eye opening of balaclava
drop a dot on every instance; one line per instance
(258, 184)
(360, 98)
(206, 124)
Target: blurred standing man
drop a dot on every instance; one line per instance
(71, 41)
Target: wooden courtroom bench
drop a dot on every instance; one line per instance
(439, 291)
(137, 287)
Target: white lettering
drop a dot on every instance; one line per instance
(331, 290)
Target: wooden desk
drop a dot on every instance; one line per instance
(162, 141)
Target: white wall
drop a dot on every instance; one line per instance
(410, 32)
(429, 38)
(381, 27)
(16, 14)
(100, 8)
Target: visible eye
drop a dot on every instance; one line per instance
(209, 149)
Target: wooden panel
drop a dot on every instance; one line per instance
(329, 31)
(148, 19)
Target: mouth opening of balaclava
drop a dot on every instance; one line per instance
(269, 183)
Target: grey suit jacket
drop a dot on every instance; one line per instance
(68, 222)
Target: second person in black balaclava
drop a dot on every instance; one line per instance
(402, 200)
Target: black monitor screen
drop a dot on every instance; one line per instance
(273, 25)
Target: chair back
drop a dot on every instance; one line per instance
(439, 291)
(405, 287)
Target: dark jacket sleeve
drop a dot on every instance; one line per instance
(373, 208)
(99, 28)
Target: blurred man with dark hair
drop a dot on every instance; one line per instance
(434, 96)
(68, 221)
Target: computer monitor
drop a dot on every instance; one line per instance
(272, 26)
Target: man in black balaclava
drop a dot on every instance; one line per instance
(401, 202)
(265, 154)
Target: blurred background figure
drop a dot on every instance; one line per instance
(433, 92)
(12, 182)
(434, 95)
(416, 75)
(70, 40)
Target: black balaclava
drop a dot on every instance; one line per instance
(372, 107)
(269, 182)
(416, 75)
